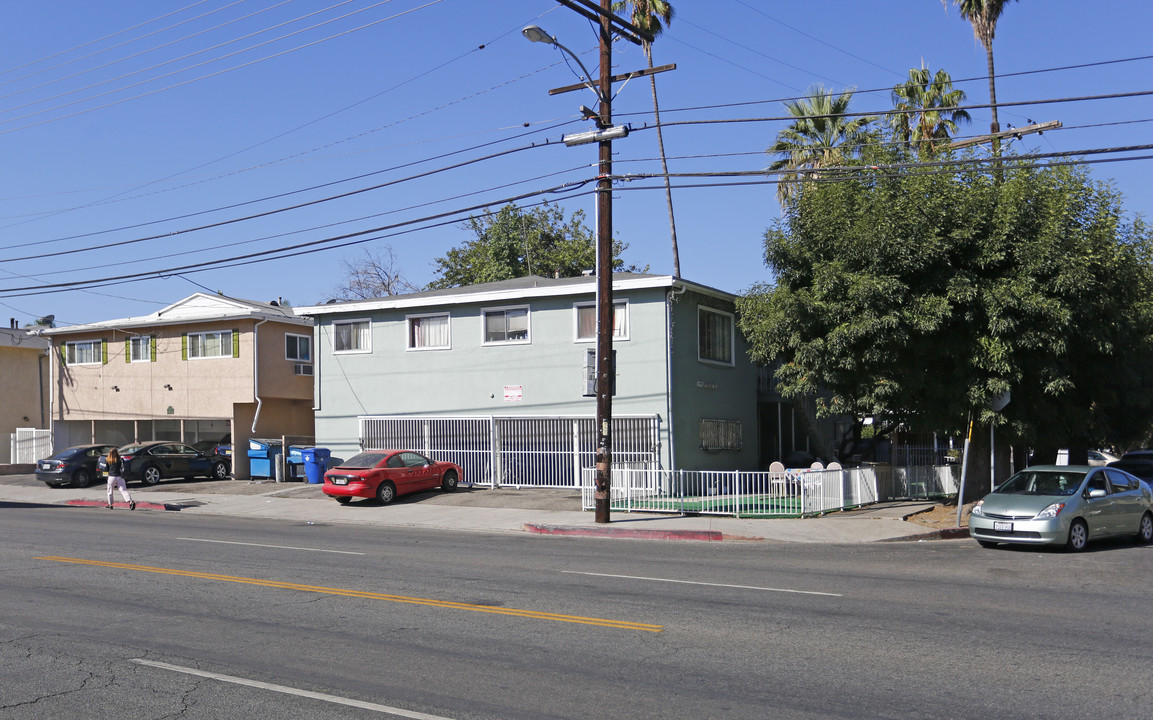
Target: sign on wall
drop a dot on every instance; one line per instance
(513, 393)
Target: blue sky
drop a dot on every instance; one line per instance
(143, 137)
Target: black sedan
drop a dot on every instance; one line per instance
(71, 467)
(152, 462)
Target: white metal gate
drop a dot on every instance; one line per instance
(30, 445)
(517, 451)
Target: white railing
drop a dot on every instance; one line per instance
(790, 493)
(30, 445)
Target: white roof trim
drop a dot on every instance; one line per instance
(195, 309)
(501, 296)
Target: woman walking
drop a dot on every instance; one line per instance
(116, 479)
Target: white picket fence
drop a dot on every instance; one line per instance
(788, 493)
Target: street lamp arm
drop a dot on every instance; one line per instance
(535, 33)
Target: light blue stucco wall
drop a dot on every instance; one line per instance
(470, 377)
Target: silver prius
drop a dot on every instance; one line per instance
(1064, 505)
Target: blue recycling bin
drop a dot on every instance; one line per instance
(294, 463)
(262, 455)
(315, 463)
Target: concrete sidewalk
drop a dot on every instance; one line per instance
(535, 511)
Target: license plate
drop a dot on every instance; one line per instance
(1001, 526)
(45, 466)
(339, 481)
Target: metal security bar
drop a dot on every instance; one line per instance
(30, 445)
(516, 451)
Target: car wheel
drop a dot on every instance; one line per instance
(449, 481)
(81, 478)
(150, 475)
(1145, 529)
(386, 493)
(219, 471)
(1078, 536)
(986, 544)
(343, 500)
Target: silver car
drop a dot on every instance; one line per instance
(1064, 505)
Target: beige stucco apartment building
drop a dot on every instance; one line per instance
(25, 368)
(208, 367)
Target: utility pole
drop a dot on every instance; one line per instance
(602, 496)
(609, 24)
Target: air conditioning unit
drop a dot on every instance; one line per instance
(302, 369)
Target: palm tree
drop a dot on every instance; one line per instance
(929, 112)
(983, 16)
(822, 135)
(653, 16)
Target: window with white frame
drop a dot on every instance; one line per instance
(140, 348)
(714, 336)
(506, 325)
(84, 352)
(298, 348)
(428, 332)
(720, 434)
(352, 336)
(211, 344)
(586, 321)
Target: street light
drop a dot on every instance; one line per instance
(535, 33)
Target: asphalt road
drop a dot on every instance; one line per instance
(152, 615)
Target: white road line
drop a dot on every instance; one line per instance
(290, 690)
(276, 547)
(693, 582)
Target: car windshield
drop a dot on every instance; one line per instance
(364, 460)
(68, 453)
(1141, 468)
(1042, 482)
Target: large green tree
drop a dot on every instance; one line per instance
(513, 242)
(983, 16)
(821, 135)
(653, 16)
(928, 110)
(922, 296)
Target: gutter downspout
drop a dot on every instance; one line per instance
(672, 295)
(256, 371)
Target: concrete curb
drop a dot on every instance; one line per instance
(611, 532)
(140, 504)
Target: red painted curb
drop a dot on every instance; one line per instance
(140, 505)
(611, 532)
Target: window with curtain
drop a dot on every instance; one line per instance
(214, 344)
(586, 321)
(86, 352)
(140, 348)
(720, 434)
(507, 325)
(352, 336)
(428, 332)
(714, 336)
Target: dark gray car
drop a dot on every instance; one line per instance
(71, 467)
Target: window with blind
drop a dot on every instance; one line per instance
(140, 348)
(714, 336)
(720, 434)
(86, 352)
(586, 321)
(213, 344)
(428, 332)
(506, 325)
(352, 336)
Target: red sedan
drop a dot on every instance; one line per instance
(386, 474)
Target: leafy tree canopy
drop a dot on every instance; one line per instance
(512, 243)
(922, 295)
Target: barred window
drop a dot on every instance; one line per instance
(720, 434)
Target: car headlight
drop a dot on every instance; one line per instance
(977, 508)
(1051, 512)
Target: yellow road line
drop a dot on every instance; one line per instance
(620, 624)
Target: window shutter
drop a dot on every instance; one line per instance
(152, 342)
(184, 346)
(64, 354)
(103, 352)
(128, 349)
(235, 343)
